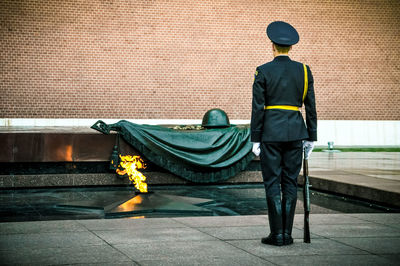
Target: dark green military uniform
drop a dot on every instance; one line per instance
(279, 90)
(280, 84)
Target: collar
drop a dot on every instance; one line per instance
(282, 58)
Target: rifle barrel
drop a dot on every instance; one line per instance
(306, 197)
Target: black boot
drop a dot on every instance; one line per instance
(288, 209)
(275, 222)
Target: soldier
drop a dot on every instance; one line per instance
(278, 131)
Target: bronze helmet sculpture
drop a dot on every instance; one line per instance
(215, 118)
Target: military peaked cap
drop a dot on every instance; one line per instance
(282, 33)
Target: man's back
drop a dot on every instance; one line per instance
(281, 83)
(284, 81)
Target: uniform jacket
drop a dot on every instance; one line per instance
(281, 82)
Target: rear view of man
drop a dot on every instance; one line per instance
(278, 131)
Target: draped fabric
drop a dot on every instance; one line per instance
(202, 156)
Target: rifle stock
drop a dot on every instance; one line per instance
(306, 197)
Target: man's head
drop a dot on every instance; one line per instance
(279, 49)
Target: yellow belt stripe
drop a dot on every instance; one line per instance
(305, 82)
(284, 107)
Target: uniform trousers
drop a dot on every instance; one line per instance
(280, 166)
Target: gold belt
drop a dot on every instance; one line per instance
(283, 107)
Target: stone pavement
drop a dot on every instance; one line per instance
(337, 239)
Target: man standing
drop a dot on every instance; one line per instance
(278, 131)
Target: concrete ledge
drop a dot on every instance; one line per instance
(107, 179)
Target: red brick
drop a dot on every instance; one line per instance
(177, 59)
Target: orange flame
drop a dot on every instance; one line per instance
(130, 164)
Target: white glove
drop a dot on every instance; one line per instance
(308, 147)
(256, 148)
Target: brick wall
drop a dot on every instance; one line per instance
(177, 59)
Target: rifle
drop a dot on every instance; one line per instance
(306, 197)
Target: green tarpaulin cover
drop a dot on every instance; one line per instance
(203, 156)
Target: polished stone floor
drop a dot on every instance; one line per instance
(163, 201)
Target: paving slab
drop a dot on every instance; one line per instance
(357, 230)
(218, 261)
(99, 254)
(374, 245)
(49, 240)
(143, 235)
(129, 224)
(392, 259)
(329, 260)
(397, 226)
(189, 253)
(224, 220)
(40, 227)
(382, 218)
(335, 219)
(114, 263)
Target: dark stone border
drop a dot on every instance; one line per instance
(165, 178)
(353, 190)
